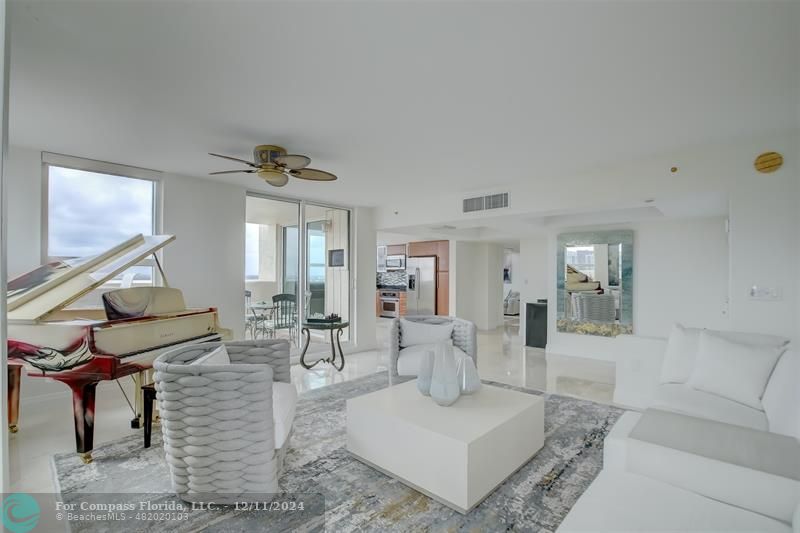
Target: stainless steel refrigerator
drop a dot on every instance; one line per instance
(421, 294)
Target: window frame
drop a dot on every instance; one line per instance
(100, 167)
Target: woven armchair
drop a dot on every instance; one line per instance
(217, 423)
(465, 336)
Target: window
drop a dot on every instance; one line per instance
(290, 259)
(251, 251)
(316, 252)
(582, 259)
(90, 211)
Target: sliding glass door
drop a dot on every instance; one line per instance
(328, 262)
(309, 269)
(272, 266)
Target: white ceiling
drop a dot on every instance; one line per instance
(398, 98)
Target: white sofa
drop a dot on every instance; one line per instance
(695, 461)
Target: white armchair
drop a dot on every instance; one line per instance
(226, 415)
(511, 303)
(404, 359)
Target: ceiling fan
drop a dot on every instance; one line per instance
(274, 165)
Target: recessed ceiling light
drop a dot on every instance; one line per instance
(649, 200)
(674, 170)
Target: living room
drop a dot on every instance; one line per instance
(585, 316)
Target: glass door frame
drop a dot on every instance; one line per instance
(302, 253)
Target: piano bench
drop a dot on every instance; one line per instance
(149, 395)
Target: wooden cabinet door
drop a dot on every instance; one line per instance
(422, 249)
(443, 252)
(396, 249)
(443, 293)
(403, 304)
(378, 303)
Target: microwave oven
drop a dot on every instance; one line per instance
(396, 262)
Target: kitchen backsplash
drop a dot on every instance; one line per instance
(394, 278)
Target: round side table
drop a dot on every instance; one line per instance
(333, 327)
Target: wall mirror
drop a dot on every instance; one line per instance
(595, 283)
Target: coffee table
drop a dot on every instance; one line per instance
(456, 455)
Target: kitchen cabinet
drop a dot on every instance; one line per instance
(443, 293)
(443, 253)
(396, 249)
(382, 253)
(423, 249)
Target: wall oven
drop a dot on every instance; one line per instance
(396, 262)
(390, 304)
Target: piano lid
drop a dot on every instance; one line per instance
(53, 286)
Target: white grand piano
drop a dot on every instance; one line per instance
(53, 339)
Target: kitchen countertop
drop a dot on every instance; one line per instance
(401, 288)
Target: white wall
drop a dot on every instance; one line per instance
(206, 261)
(479, 283)
(534, 261)
(680, 275)
(24, 191)
(366, 266)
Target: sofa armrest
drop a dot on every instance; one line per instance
(465, 336)
(271, 352)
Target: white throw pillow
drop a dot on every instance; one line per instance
(732, 370)
(782, 398)
(754, 339)
(218, 356)
(413, 333)
(680, 354)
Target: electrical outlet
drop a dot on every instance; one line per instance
(770, 294)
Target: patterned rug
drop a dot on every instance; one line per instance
(357, 497)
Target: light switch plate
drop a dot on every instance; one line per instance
(770, 294)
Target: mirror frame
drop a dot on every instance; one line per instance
(623, 237)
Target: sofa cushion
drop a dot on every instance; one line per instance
(416, 333)
(217, 356)
(680, 354)
(409, 359)
(284, 404)
(782, 398)
(623, 501)
(688, 401)
(733, 370)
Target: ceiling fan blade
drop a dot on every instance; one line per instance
(277, 181)
(231, 172)
(234, 159)
(312, 174)
(293, 162)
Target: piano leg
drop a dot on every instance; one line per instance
(83, 395)
(14, 383)
(139, 380)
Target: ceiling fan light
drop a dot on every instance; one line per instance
(274, 177)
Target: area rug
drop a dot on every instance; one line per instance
(357, 497)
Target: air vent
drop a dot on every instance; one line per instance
(496, 201)
(480, 203)
(473, 204)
